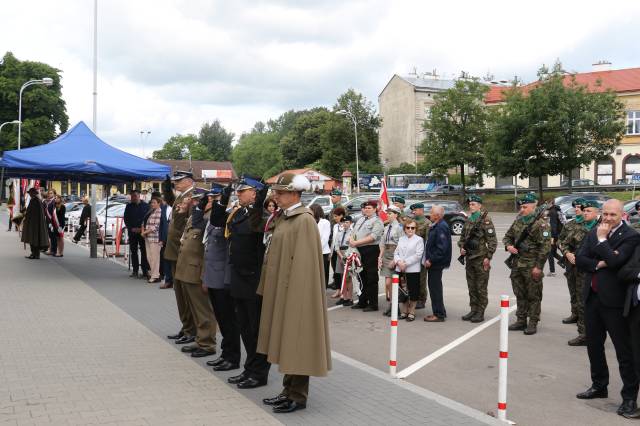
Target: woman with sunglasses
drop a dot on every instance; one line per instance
(406, 260)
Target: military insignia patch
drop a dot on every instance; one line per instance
(490, 231)
(545, 234)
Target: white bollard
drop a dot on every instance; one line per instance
(393, 347)
(504, 356)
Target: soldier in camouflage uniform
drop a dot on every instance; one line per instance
(570, 243)
(530, 256)
(423, 224)
(477, 244)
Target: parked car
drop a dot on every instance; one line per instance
(69, 208)
(454, 214)
(324, 201)
(74, 216)
(449, 189)
(578, 182)
(564, 202)
(511, 186)
(630, 211)
(114, 212)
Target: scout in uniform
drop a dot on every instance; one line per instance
(477, 244)
(392, 233)
(189, 273)
(529, 241)
(294, 331)
(571, 239)
(417, 210)
(183, 182)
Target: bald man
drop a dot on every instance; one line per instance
(604, 251)
(437, 258)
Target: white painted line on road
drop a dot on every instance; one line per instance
(333, 308)
(443, 350)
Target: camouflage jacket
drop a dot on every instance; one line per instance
(571, 237)
(535, 248)
(481, 240)
(423, 226)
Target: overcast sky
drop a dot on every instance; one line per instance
(169, 65)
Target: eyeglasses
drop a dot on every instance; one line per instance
(409, 227)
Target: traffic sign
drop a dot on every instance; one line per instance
(635, 177)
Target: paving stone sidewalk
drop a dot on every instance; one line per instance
(84, 344)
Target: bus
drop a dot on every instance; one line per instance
(412, 183)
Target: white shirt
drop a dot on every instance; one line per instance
(410, 251)
(292, 208)
(324, 227)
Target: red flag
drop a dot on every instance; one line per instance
(383, 201)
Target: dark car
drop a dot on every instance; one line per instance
(453, 213)
(448, 189)
(630, 210)
(578, 182)
(564, 201)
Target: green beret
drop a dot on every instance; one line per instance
(336, 191)
(416, 206)
(529, 198)
(578, 202)
(396, 199)
(591, 203)
(475, 198)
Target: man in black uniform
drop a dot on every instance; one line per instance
(134, 214)
(244, 231)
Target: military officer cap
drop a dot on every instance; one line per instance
(292, 182)
(372, 203)
(394, 209)
(336, 191)
(475, 198)
(216, 189)
(529, 198)
(198, 193)
(591, 203)
(396, 199)
(578, 202)
(247, 182)
(416, 206)
(181, 174)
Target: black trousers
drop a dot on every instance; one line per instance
(136, 242)
(248, 316)
(600, 320)
(325, 261)
(222, 304)
(334, 258)
(434, 281)
(634, 328)
(369, 257)
(35, 251)
(552, 260)
(53, 242)
(80, 232)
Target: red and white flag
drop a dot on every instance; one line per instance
(383, 201)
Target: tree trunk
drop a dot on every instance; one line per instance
(462, 182)
(540, 190)
(570, 184)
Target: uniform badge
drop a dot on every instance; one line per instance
(490, 231)
(545, 234)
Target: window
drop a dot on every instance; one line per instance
(633, 122)
(631, 166)
(604, 172)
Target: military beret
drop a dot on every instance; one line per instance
(475, 198)
(336, 191)
(181, 174)
(247, 182)
(578, 202)
(347, 218)
(372, 203)
(591, 203)
(416, 206)
(529, 198)
(396, 199)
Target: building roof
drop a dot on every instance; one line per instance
(620, 81)
(200, 165)
(429, 83)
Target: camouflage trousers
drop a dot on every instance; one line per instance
(575, 282)
(424, 293)
(477, 282)
(528, 294)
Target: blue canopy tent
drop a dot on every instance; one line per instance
(80, 155)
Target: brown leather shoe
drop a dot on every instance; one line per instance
(433, 318)
(581, 340)
(166, 286)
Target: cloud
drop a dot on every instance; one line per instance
(169, 65)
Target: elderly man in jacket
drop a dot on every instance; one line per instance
(437, 258)
(294, 332)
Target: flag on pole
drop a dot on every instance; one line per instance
(383, 201)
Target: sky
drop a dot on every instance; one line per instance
(167, 66)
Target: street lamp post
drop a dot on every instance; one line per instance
(44, 81)
(9, 122)
(350, 114)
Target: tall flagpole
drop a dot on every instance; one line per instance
(93, 234)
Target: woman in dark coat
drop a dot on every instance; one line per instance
(34, 228)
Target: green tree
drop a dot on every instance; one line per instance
(179, 147)
(457, 130)
(301, 144)
(44, 114)
(258, 154)
(556, 127)
(403, 168)
(217, 140)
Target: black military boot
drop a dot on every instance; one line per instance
(518, 325)
(532, 328)
(477, 317)
(570, 319)
(581, 340)
(468, 316)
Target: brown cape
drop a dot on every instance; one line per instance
(294, 331)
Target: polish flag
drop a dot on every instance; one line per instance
(383, 201)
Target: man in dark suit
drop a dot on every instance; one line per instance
(436, 258)
(630, 274)
(134, 213)
(605, 249)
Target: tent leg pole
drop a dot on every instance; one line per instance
(93, 235)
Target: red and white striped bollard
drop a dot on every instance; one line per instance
(393, 347)
(504, 357)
